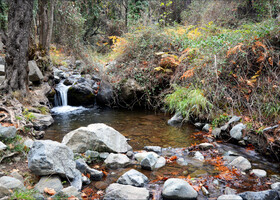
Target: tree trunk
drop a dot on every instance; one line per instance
(46, 9)
(19, 24)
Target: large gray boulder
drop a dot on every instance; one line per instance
(42, 121)
(11, 183)
(35, 75)
(241, 163)
(52, 182)
(98, 137)
(134, 178)
(48, 157)
(262, 195)
(175, 188)
(117, 191)
(115, 161)
(7, 132)
(236, 131)
(2, 70)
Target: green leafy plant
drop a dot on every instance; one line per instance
(28, 115)
(24, 194)
(190, 102)
(222, 119)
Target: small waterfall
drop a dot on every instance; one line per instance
(60, 98)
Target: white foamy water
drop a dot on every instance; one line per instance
(67, 109)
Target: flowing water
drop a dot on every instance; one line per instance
(145, 128)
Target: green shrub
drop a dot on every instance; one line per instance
(222, 119)
(190, 102)
(23, 194)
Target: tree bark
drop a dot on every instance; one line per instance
(19, 24)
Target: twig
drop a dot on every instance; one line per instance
(7, 156)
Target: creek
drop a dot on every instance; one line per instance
(145, 128)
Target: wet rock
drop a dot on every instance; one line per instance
(230, 191)
(198, 156)
(42, 121)
(115, 161)
(59, 73)
(28, 143)
(156, 149)
(11, 183)
(276, 186)
(262, 195)
(101, 185)
(2, 146)
(35, 74)
(176, 119)
(206, 127)
(103, 155)
(149, 162)
(85, 180)
(77, 181)
(259, 173)
(84, 168)
(241, 163)
(91, 155)
(181, 161)
(126, 192)
(69, 191)
(52, 182)
(160, 162)
(175, 188)
(17, 175)
(236, 131)
(134, 178)
(98, 137)
(4, 191)
(216, 132)
(48, 157)
(2, 70)
(229, 197)
(204, 191)
(7, 132)
(205, 146)
(199, 125)
(140, 156)
(199, 173)
(105, 93)
(129, 154)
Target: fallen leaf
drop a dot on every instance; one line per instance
(50, 191)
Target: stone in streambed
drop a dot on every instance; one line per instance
(236, 131)
(84, 168)
(229, 197)
(52, 182)
(205, 146)
(262, 195)
(156, 149)
(115, 161)
(140, 156)
(259, 173)
(241, 163)
(206, 127)
(134, 178)
(276, 186)
(126, 192)
(98, 137)
(149, 162)
(176, 119)
(175, 188)
(42, 121)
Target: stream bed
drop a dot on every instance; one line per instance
(145, 128)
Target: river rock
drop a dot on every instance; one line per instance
(156, 149)
(134, 178)
(262, 195)
(182, 161)
(175, 188)
(2, 146)
(198, 156)
(103, 155)
(48, 157)
(28, 143)
(126, 192)
(230, 191)
(4, 191)
(140, 156)
(83, 93)
(275, 186)
(149, 162)
(229, 197)
(160, 162)
(91, 155)
(84, 168)
(130, 90)
(11, 183)
(85, 180)
(98, 137)
(216, 132)
(2, 79)
(176, 119)
(2, 70)
(59, 73)
(7, 132)
(35, 74)
(105, 94)
(52, 182)
(241, 163)
(42, 121)
(259, 173)
(236, 131)
(115, 161)
(77, 181)
(69, 192)
(234, 119)
(18, 176)
(205, 146)
(199, 125)
(206, 127)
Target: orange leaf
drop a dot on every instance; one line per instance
(73, 198)
(173, 158)
(50, 191)
(270, 61)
